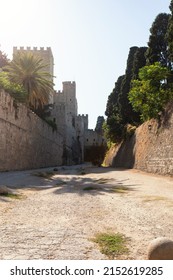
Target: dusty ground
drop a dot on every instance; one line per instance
(55, 218)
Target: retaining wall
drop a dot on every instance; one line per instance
(149, 149)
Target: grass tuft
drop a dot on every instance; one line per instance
(12, 195)
(112, 245)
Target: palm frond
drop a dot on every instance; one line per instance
(29, 71)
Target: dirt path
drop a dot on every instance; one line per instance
(56, 217)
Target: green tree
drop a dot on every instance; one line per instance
(113, 128)
(151, 92)
(28, 70)
(158, 43)
(119, 110)
(136, 60)
(113, 98)
(15, 90)
(139, 61)
(170, 33)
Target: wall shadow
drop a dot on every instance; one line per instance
(166, 116)
(125, 156)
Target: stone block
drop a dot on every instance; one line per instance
(160, 249)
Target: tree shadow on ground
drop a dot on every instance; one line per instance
(90, 186)
(66, 180)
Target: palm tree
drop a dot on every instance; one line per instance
(28, 70)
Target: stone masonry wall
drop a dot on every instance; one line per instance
(26, 141)
(149, 149)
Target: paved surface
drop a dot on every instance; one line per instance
(56, 217)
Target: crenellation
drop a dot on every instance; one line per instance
(42, 49)
(83, 115)
(35, 49)
(58, 92)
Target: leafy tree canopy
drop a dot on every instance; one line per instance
(150, 93)
(136, 59)
(15, 90)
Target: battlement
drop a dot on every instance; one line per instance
(69, 83)
(83, 116)
(58, 92)
(31, 49)
(40, 51)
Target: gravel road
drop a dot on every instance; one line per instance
(56, 215)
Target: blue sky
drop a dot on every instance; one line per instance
(90, 40)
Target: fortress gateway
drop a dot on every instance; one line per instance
(72, 127)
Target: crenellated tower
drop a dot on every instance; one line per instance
(46, 55)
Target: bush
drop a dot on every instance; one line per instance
(15, 90)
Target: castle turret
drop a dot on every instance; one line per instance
(47, 57)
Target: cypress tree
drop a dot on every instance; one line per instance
(158, 41)
(170, 33)
(127, 113)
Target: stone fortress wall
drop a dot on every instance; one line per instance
(72, 126)
(26, 141)
(64, 113)
(92, 138)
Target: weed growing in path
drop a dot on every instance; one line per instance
(12, 195)
(111, 245)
